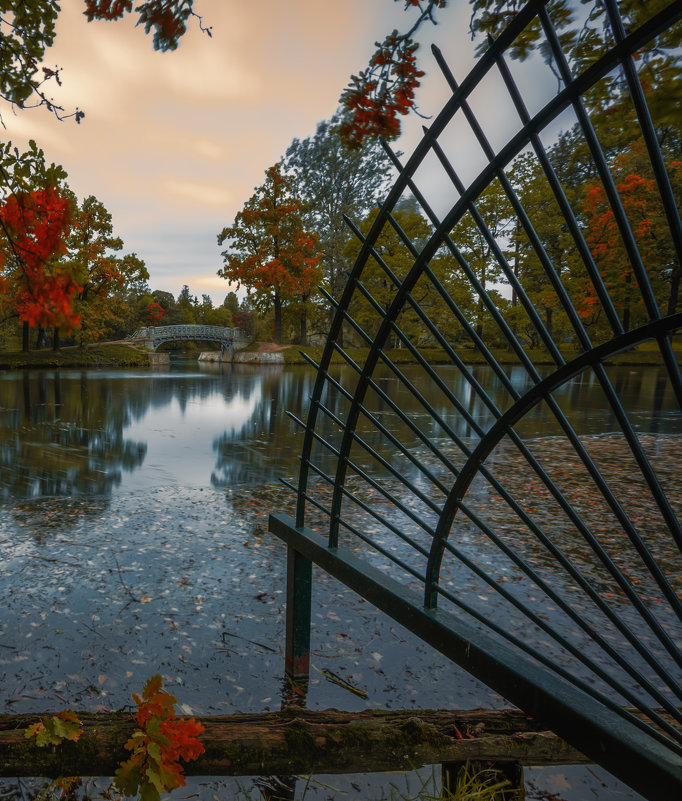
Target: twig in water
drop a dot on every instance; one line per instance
(253, 642)
(125, 586)
(330, 676)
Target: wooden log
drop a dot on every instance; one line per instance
(299, 741)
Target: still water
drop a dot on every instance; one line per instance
(134, 540)
(86, 432)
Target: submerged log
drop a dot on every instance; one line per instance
(298, 741)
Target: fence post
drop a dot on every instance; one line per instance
(299, 597)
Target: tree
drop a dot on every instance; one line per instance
(641, 201)
(105, 278)
(35, 285)
(185, 306)
(270, 252)
(334, 180)
(231, 302)
(151, 312)
(35, 282)
(28, 30)
(398, 258)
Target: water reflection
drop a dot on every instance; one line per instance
(85, 433)
(63, 436)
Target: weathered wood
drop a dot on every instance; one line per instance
(300, 741)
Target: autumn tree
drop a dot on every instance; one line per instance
(270, 252)
(641, 202)
(106, 279)
(36, 285)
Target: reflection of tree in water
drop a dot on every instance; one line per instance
(266, 446)
(63, 436)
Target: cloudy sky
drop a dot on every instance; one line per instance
(174, 143)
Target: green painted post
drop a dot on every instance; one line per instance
(299, 597)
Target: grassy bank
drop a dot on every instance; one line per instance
(645, 354)
(104, 355)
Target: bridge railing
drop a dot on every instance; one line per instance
(215, 333)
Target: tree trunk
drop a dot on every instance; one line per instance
(41, 338)
(24, 338)
(304, 326)
(517, 247)
(278, 319)
(626, 310)
(55, 339)
(674, 295)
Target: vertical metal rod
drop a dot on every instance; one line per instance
(661, 174)
(298, 616)
(619, 214)
(562, 200)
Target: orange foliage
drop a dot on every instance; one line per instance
(640, 198)
(270, 251)
(159, 744)
(376, 97)
(41, 288)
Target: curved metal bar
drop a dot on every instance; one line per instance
(483, 66)
(593, 358)
(563, 100)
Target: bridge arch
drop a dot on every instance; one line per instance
(153, 336)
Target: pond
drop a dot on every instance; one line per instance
(134, 540)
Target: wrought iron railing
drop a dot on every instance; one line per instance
(551, 568)
(208, 333)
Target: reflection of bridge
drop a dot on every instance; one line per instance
(153, 336)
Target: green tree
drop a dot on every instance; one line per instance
(186, 306)
(270, 252)
(378, 282)
(334, 180)
(231, 302)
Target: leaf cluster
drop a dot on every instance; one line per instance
(53, 730)
(157, 745)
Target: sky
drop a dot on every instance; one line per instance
(174, 143)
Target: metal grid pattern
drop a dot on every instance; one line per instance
(549, 567)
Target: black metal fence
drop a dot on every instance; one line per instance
(550, 567)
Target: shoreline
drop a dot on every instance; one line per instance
(123, 354)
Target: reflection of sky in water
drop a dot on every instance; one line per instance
(90, 432)
(180, 436)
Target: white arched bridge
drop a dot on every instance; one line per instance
(153, 336)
